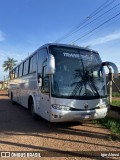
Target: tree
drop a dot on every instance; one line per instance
(9, 64)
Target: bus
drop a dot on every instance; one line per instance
(61, 83)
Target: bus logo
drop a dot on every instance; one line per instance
(86, 106)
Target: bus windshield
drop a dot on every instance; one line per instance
(78, 74)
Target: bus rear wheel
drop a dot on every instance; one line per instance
(13, 102)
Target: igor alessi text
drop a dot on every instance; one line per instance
(110, 154)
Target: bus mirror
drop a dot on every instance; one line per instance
(50, 64)
(110, 64)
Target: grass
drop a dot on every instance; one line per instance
(116, 94)
(116, 103)
(112, 124)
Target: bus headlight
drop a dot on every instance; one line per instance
(61, 107)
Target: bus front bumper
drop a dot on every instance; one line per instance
(67, 116)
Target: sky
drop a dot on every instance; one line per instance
(25, 25)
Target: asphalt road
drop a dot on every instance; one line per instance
(20, 133)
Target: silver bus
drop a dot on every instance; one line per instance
(61, 83)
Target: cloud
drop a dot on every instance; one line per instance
(2, 36)
(103, 40)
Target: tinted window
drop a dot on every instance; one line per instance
(42, 55)
(78, 74)
(16, 72)
(20, 70)
(45, 77)
(26, 66)
(33, 63)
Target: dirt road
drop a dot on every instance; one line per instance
(19, 132)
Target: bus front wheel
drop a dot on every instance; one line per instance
(32, 109)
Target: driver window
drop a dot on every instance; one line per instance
(45, 77)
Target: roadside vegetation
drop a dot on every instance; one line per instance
(116, 94)
(116, 103)
(112, 124)
(116, 99)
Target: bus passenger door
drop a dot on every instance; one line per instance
(45, 98)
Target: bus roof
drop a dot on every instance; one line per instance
(66, 45)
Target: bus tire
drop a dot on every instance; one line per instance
(32, 110)
(13, 102)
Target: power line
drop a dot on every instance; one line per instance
(102, 21)
(81, 23)
(94, 13)
(99, 31)
(94, 20)
(96, 28)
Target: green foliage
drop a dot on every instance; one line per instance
(112, 124)
(9, 64)
(116, 103)
(116, 94)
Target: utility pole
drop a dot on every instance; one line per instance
(110, 84)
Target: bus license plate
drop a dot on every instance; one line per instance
(86, 116)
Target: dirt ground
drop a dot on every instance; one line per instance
(116, 98)
(19, 132)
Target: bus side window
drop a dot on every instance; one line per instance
(45, 81)
(42, 55)
(33, 61)
(26, 67)
(13, 74)
(20, 69)
(16, 72)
